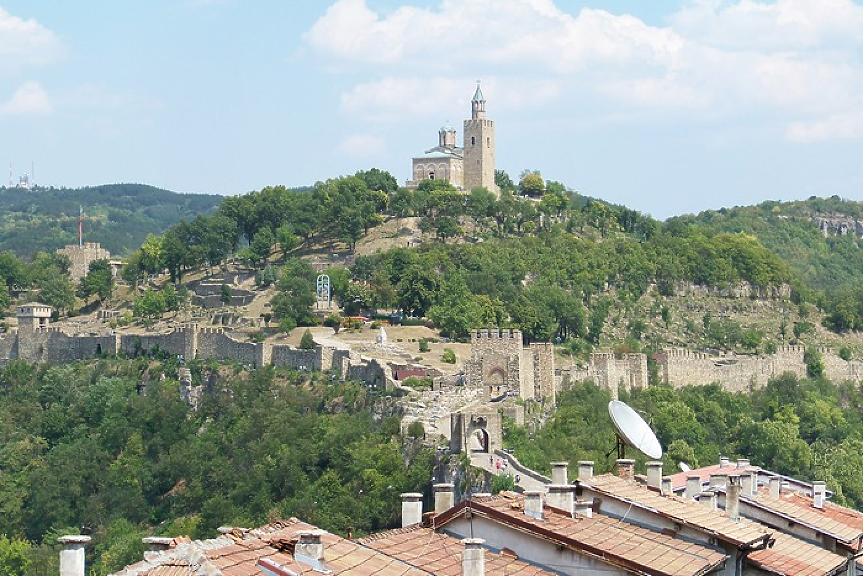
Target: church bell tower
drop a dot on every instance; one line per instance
(479, 146)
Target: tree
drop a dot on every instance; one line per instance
(503, 181)
(56, 290)
(262, 245)
(150, 305)
(531, 183)
(99, 280)
(417, 290)
(307, 342)
(14, 556)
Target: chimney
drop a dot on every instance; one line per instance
(819, 494)
(412, 508)
(732, 498)
(742, 463)
(775, 487)
(667, 488)
(158, 543)
(708, 499)
(718, 480)
(654, 474)
(72, 555)
(693, 486)
(473, 557)
(584, 509)
(754, 474)
(533, 503)
(746, 484)
(310, 549)
(559, 472)
(724, 462)
(561, 496)
(444, 497)
(481, 495)
(585, 469)
(626, 468)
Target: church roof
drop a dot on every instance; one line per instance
(435, 154)
(478, 97)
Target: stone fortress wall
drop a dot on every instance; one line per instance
(35, 341)
(501, 364)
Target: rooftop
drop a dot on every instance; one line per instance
(617, 543)
(441, 554)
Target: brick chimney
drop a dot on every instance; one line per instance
(708, 499)
(819, 494)
(585, 469)
(533, 503)
(444, 497)
(693, 486)
(72, 555)
(561, 496)
(473, 557)
(732, 497)
(559, 471)
(310, 549)
(775, 487)
(626, 468)
(584, 509)
(412, 508)
(654, 474)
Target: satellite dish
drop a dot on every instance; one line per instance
(632, 430)
(684, 467)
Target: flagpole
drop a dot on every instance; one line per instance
(80, 228)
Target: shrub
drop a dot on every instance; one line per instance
(449, 356)
(416, 429)
(845, 353)
(424, 345)
(307, 342)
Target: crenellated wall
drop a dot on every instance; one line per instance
(606, 370)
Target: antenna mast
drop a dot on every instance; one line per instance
(80, 227)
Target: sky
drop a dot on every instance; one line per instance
(668, 107)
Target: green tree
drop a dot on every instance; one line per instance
(99, 280)
(14, 556)
(531, 183)
(150, 305)
(57, 291)
(307, 342)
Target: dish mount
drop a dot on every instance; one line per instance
(632, 430)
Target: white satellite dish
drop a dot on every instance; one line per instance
(632, 430)
(684, 467)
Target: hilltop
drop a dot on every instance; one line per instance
(118, 216)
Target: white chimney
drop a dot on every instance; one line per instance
(585, 469)
(559, 471)
(412, 508)
(746, 484)
(584, 508)
(718, 480)
(561, 496)
(654, 474)
(310, 549)
(742, 463)
(444, 497)
(775, 487)
(473, 557)
(533, 503)
(819, 494)
(626, 468)
(732, 498)
(72, 555)
(724, 461)
(708, 499)
(667, 487)
(693, 486)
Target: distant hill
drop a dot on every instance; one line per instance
(118, 216)
(819, 238)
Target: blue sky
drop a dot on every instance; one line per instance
(666, 106)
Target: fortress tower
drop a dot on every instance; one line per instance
(479, 146)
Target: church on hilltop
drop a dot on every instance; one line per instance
(464, 167)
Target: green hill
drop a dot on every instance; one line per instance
(118, 216)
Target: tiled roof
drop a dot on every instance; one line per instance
(678, 481)
(441, 554)
(615, 542)
(794, 557)
(237, 554)
(844, 524)
(686, 512)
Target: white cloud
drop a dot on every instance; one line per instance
(797, 62)
(25, 42)
(842, 126)
(29, 99)
(362, 146)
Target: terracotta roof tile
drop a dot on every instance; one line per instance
(618, 543)
(794, 557)
(842, 523)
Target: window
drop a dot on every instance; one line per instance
(473, 140)
(488, 142)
